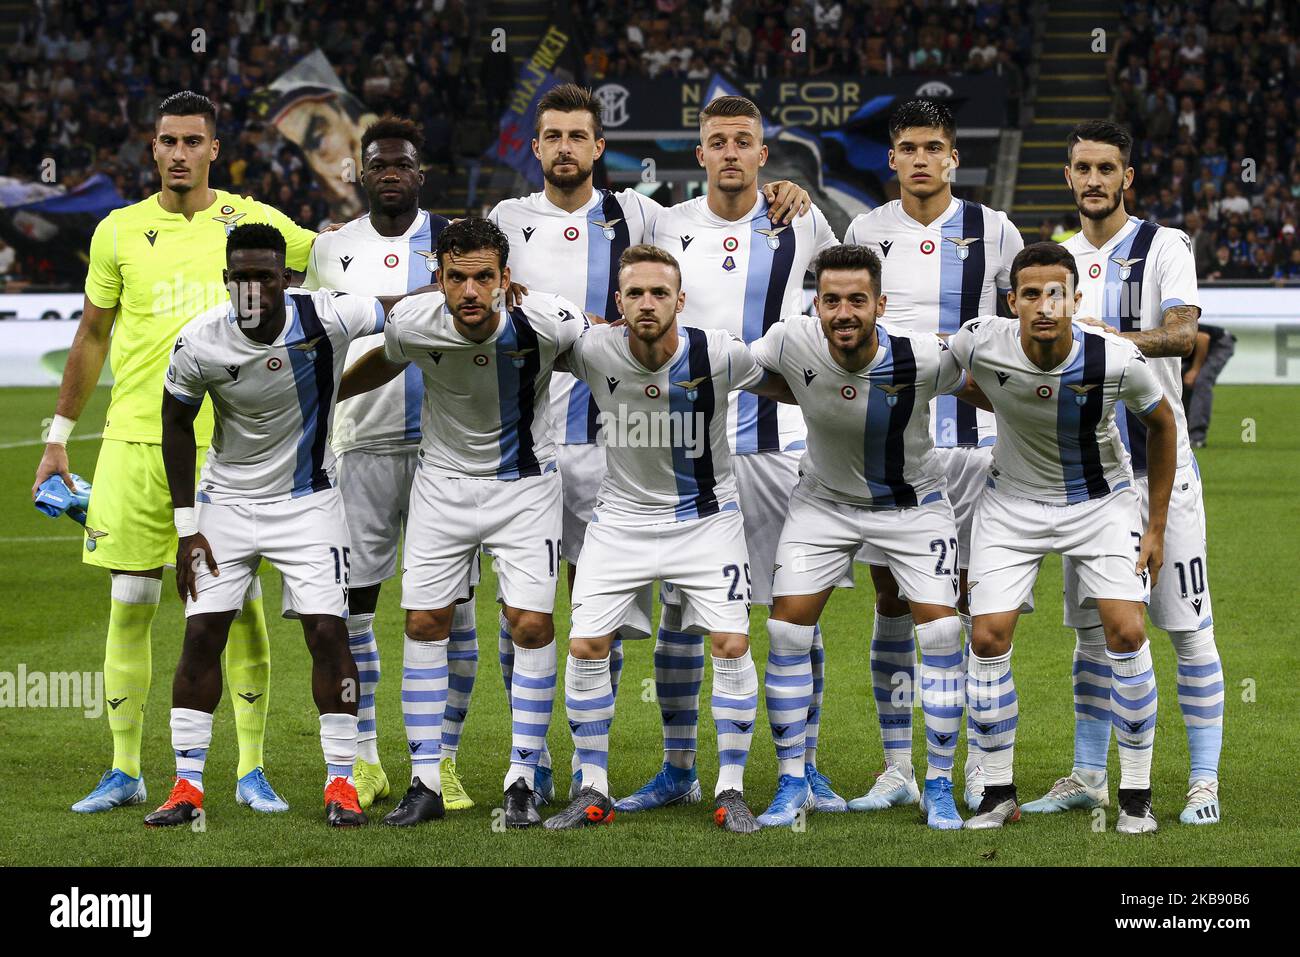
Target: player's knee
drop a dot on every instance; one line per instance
(1126, 636)
(989, 639)
(888, 603)
(730, 645)
(532, 629)
(428, 625)
(363, 601)
(327, 637)
(205, 639)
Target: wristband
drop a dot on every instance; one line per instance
(186, 523)
(60, 430)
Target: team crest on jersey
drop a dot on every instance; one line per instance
(692, 387)
(307, 345)
(1125, 267)
(519, 357)
(891, 392)
(1044, 391)
(230, 220)
(93, 535)
(607, 228)
(480, 360)
(391, 260)
(849, 392)
(1094, 270)
(652, 391)
(1081, 392)
(430, 259)
(731, 244)
(927, 246)
(729, 263)
(274, 363)
(963, 246)
(773, 236)
(571, 233)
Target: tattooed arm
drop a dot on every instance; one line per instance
(1176, 337)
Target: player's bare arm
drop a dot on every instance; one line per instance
(773, 386)
(178, 451)
(1176, 337)
(80, 375)
(388, 302)
(1162, 461)
(972, 394)
(369, 372)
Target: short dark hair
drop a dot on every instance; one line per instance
(569, 98)
(390, 127)
(726, 106)
(471, 234)
(922, 113)
(1100, 131)
(1044, 254)
(188, 103)
(849, 258)
(645, 253)
(255, 236)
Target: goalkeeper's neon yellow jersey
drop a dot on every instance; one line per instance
(161, 270)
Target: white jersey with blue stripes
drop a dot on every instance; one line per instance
(273, 403)
(486, 412)
(938, 277)
(357, 259)
(1057, 438)
(574, 255)
(1129, 282)
(741, 277)
(869, 438)
(664, 431)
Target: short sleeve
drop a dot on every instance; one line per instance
(650, 211)
(311, 281)
(1009, 245)
(1176, 272)
(297, 240)
(952, 377)
(360, 315)
(1139, 389)
(743, 369)
(573, 322)
(103, 278)
(184, 375)
(495, 215)
(393, 346)
(961, 345)
(767, 349)
(856, 234)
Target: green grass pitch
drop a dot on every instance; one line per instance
(55, 612)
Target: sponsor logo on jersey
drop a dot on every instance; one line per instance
(612, 383)
(1081, 392)
(1002, 377)
(234, 371)
(435, 356)
(480, 360)
(692, 387)
(773, 236)
(730, 244)
(571, 233)
(808, 376)
(849, 392)
(274, 363)
(927, 246)
(891, 391)
(518, 358)
(391, 260)
(528, 232)
(1043, 391)
(1125, 267)
(345, 261)
(686, 241)
(151, 235)
(607, 229)
(963, 246)
(885, 246)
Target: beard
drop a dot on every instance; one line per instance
(567, 180)
(1111, 205)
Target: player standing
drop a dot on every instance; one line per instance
(666, 511)
(388, 251)
(1140, 278)
(153, 267)
(869, 484)
(567, 240)
(945, 261)
(271, 363)
(487, 479)
(1059, 484)
(741, 271)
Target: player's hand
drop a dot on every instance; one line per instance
(1090, 321)
(515, 293)
(53, 462)
(1189, 378)
(192, 553)
(1151, 553)
(786, 200)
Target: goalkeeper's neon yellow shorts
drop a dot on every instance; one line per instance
(129, 522)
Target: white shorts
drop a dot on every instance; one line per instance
(450, 519)
(1011, 535)
(704, 560)
(1180, 600)
(582, 469)
(305, 538)
(820, 539)
(376, 489)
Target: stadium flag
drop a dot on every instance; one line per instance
(50, 226)
(312, 109)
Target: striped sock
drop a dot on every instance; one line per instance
(1200, 698)
(817, 657)
(1091, 700)
(973, 752)
(424, 696)
(615, 664)
(788, 687)
(893, 677)
(462, 666)
(589, 703)
(365, 652)
(506, 655)
(992, 712)
(191, 738)
(679, 672)
(532, 696)
(338, 742)
(248, 675)
(1133, 712)
(735, 708)
(943, 692)
(128, 664)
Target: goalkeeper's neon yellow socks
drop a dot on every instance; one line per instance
(248, 675)
(128, 664)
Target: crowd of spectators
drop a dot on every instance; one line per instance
(1210, 90)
